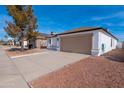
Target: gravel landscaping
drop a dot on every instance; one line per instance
(104, 71)
(17, 51)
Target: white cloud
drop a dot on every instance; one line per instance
(119, 24)
(101, 18)
(115, 15)
(109, 24)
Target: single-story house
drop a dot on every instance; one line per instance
(39, 42)
(120, 45)
(88, 40)
(10, 42)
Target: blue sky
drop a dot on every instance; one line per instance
(61, 18)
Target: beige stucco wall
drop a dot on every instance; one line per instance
(41, 42)
(38, 43)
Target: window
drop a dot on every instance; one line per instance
(57, 39)
(103, 47)
(49, 41)
(111, 42)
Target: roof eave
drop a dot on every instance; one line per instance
(110, 33)
(86, 31)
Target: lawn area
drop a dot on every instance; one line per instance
(104, 71)
(17, 51)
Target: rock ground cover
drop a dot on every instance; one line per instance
(104, 71)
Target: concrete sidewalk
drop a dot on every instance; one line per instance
(10, 77)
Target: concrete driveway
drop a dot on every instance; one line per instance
(34, 66)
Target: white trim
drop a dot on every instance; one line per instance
(95, 43)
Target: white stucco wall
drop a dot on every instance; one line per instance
(100, 40)
(25, 43)
(95, 43)
(55, 43)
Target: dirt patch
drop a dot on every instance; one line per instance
(17, 51)
(90, 72)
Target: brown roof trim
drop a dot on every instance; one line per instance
(87, 30)
(110, 33)
(90, 29)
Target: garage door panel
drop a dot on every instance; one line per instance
(77, 43)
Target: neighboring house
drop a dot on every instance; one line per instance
(40, 41)
(1, 42)
(90, 40)
(120, 45)
(25, 42)
(10, 42)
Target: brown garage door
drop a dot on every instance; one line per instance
(77, 43)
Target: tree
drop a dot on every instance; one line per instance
(24, 20)
(32, 25)
(12, 30)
